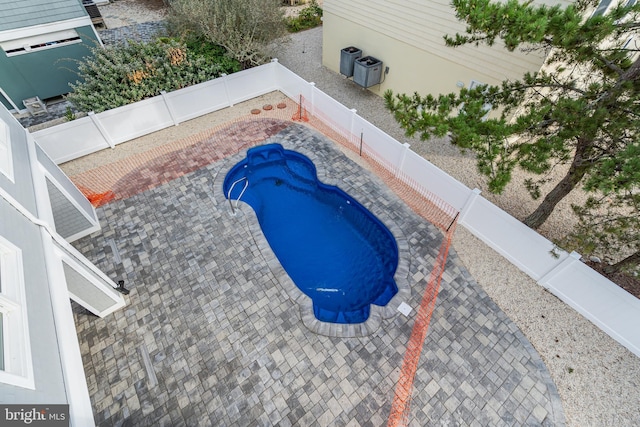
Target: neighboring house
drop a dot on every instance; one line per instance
(39, 43)
(40, 211)
(408, 38)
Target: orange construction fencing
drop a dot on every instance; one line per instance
(420, 199)
(401, 405)
(97, 199)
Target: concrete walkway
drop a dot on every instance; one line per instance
(210, 337)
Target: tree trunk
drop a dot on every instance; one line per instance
(631, 260)
(578, 169)
(574, 175)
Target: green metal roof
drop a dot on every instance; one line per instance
(27, 13)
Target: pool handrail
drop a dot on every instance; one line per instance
(246, 184)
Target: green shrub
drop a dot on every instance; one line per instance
(69, 115)
(199, 45)
(117, 76)
(309, 17)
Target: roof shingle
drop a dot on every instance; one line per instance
(27, 13)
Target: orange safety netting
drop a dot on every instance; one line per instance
(420, 199)
(401, 405)
(97, 199)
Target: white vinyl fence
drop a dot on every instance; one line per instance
(604, 303)
(96, 132)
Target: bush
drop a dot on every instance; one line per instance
(213, 54)
(117, 76)
(245, 28)
(309, 17)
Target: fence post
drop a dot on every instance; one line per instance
(275, 65)
(167, 104)
(475, 193)
(572, 258)
(223, 76)
(403, 157)
(352, 132)
(101, 129)
(313, 90)
(353, 120)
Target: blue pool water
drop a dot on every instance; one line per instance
(335, 250)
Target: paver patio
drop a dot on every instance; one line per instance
(210, 337)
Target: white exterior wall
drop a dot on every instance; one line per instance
(45, 361)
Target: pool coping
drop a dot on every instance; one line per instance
(377, 313)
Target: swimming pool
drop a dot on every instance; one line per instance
(335, 250)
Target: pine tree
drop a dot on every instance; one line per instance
(609, 225)
(581, 109)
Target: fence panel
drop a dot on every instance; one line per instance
(330, 110)
(131, 121)
(418, 170)
(290, 83)
(198, 100)
(521, 245)
(355, 129)
(250, 83)
(388, 151)
(68, 141)
(604, 303)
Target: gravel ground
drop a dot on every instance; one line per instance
(123, 13)
(597, 379)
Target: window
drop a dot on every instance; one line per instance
(15, 349)
(6, 161)
(40, 42)
(7, 307)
